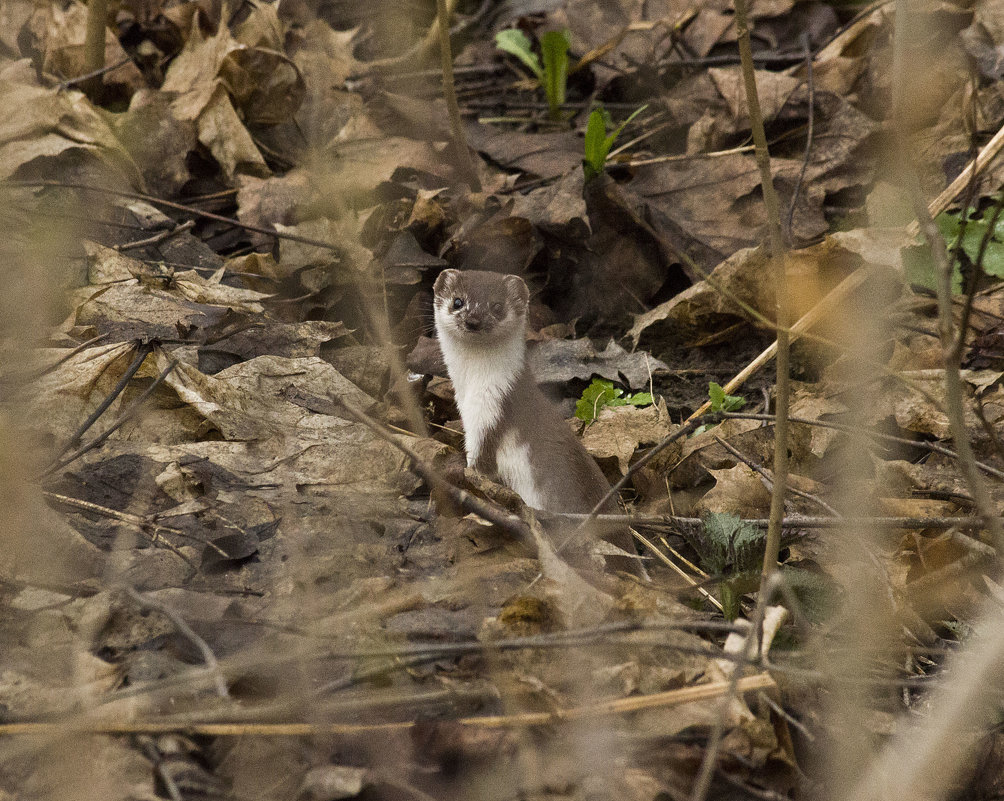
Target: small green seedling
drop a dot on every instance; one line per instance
(599, 142)
(720, 402)
(603, 393)
(732, 549)
(552, 74)
(920, 266)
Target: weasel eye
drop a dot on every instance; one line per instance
(497, 309)
(458, 303)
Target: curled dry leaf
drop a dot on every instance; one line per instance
(774, 90)
(130, 310)
(739, 491)
(271, 439)
(810, 405)
(211, 292)
(746, 275)
(620, 430)
(56, 125)
(157, 140)
(203, 96)
(558, 361)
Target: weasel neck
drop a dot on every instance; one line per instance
(483, 376)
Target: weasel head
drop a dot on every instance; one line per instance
(476, 309)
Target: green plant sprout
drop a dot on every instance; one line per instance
(603, 393)
(920, 266)
(552, 74)
(720, 402)
(732, 549)
(599, 142)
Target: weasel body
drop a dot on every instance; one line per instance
(511, 430)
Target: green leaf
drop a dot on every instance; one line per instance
(554, 46)
(595, 147)
(602, 393)
(598, 394)
(613, 137)
(733, 403)
(515, 42)
(993, 256)
(717, 395)
(720, 402)
(729, 544)
(993, 259)
(730, 598)
(641, 399)
(598, 143)
(918, 266)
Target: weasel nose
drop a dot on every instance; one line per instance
(473, 322)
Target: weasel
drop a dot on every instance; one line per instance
(511, 431)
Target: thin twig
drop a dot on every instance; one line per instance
(954, 404)
(933, 447)
(208, 215)
(212, 666)
(788, 522)
(765, 474)
(747, 654)
(123, 418)
(137, 522)
(87, 76)
(789, 719)
(977, 272)
(508, 522)
(810, 88)
(779, 258)
(157, 238)
(550, 641)
(973, 282)
(690, 156)
(650, 546)
(141, 353)
(620, 706)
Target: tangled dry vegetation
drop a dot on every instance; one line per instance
(239, 559)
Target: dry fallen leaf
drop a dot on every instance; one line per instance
(54, 126)
(620, 430)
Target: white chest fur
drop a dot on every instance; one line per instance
(513, 464)
(482, 376)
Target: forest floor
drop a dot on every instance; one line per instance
(224, 577)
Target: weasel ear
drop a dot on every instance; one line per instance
(444, 279)
(516, 287)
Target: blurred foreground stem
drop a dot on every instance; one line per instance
(450, 95)
(94, 38)
(778, 252)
